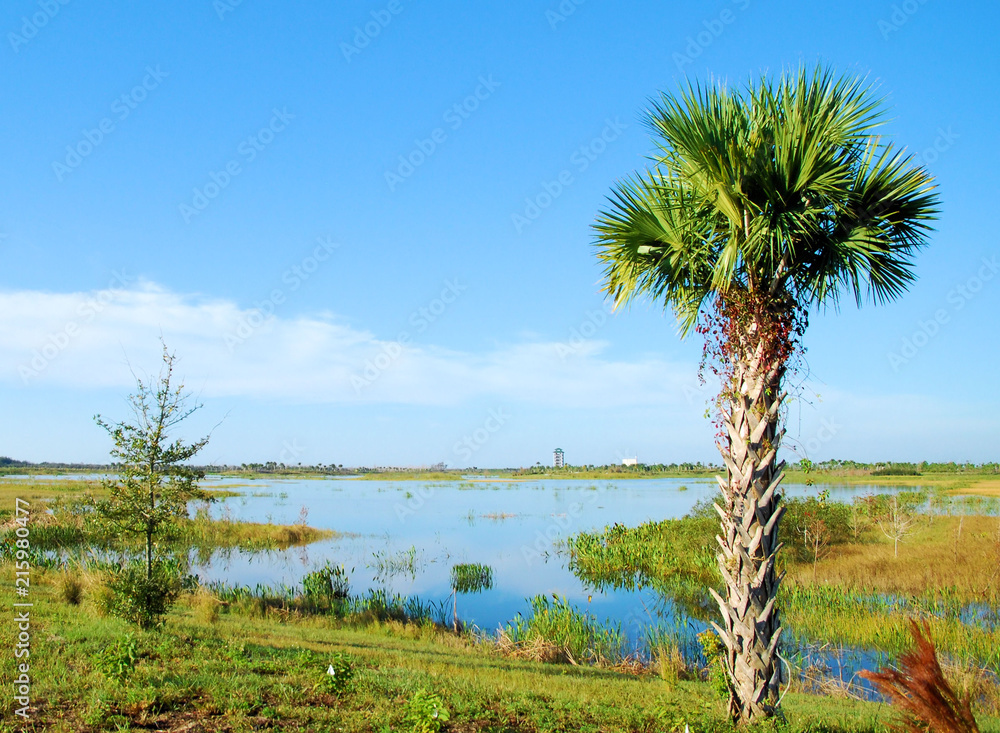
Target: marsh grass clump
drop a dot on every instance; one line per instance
(558, 632)
(669, 661)
(328, 585)
(287, 603)
(70, 586)
(206, 606)
(471, 578)
(403, 562)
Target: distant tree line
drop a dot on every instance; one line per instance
(895, 468)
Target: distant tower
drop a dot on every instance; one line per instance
(558, 458)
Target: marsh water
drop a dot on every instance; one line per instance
(405, 536)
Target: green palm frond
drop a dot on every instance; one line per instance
(783, 185)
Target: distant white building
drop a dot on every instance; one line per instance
(558, 458)
(630, 461)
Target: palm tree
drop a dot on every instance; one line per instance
(761, 204)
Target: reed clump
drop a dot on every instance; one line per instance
(70, 586)
(558, 632)
(205, 605)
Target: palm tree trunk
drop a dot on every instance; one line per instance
(749, 544)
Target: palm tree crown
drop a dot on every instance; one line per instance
(782, 189)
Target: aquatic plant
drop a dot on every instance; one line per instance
(468, 578)
(556, 631)
(403, 562)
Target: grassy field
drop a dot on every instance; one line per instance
(212, 671)
(64, 526)
(53, 490)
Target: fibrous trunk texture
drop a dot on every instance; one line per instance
(750, 514)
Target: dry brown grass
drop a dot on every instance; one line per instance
(932, 557)
(988, 487)
(206, 606)
(534, 649)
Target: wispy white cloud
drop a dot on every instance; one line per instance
(89, 339)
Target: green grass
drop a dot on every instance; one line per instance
(242, 672)
(41, 493)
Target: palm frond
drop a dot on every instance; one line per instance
(783, 185)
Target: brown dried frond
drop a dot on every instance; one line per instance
(918, 687)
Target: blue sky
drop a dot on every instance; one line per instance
(365, 227)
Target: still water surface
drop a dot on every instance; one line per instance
(511, 526)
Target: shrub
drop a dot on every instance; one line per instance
(426, 712)
(897, 469)
(117, 661)
(713, 650)
(339, 674)
(141, 600)
(804, 518)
